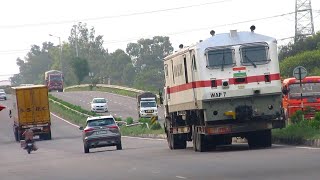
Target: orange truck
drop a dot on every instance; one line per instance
(291, 99)
(30, 110)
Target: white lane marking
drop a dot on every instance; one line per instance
(181, 177)
(310, 148)
(64, 120)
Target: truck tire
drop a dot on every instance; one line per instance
(260, 139)
(47, 136)
(15, 131)
(176, 141)
(200, 142)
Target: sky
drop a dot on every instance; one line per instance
(26, 23)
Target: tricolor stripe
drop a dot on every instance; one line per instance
(207, 83)
(239, 68)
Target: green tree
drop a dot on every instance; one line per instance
(147, 57)
(117, 67)
(88, 46)
(308, 59)
(80, 67)
(301, 45)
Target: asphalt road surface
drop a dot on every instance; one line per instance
(147, 159)
(119, 106)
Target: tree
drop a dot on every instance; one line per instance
(118, 65)
(36, 62)
(147, 57)
(80, 67)
(308, 44)
(309, 59)
(149, 52)
(88, 46)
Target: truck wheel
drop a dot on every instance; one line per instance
(200, 142)
(260, 139)
(16, 134)
(46, 136)
(176, 141)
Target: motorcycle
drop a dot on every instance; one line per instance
(29, 146)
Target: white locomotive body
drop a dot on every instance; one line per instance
(222, 83)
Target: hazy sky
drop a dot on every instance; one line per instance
(28, 22)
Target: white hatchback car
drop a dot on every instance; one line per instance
(99, 105)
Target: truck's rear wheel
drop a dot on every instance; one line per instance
(46, 136)
(176, 141)
(200, 142)
(15, 131)
(260, 139)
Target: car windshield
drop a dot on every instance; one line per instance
(2, 94)
(148, 104)
(308, 89)
(55, 78)
(99, 101)
(101, 122)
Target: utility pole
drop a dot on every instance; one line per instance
(303, 20)
(61, 65)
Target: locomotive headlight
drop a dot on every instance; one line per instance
(225, 83)
(270, 107)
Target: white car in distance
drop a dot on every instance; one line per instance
(99, 105)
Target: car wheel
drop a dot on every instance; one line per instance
(86, 148)
(119, 146)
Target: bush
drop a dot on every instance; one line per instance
(118, 118)
(156, 126)
(145, 120)
(297, 117)
(129, 120)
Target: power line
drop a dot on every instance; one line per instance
(114, 16)
(205, 28)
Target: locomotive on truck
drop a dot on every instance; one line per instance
(225, 86)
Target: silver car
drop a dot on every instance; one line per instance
(101, 131)
(3, 96)
(99, 105)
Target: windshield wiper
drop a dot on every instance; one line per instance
(222, 65)
(254, 65)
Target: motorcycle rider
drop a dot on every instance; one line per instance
(28, 136)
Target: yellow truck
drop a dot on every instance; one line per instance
(31, 111)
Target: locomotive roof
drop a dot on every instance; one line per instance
(226, 39)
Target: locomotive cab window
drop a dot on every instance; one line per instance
(217, 58)
(252, 55)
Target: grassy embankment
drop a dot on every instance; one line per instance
(104, 89)
(300, 130)
(80, 119)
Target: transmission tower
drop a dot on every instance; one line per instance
(304, 19)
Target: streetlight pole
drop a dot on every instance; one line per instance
(61, 66)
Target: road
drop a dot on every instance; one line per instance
(119, 106)
(146, 159)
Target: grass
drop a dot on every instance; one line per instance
(67, 114)
(308, 129)
(138, 130)
(105, 89)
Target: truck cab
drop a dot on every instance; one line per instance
(147, 105)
